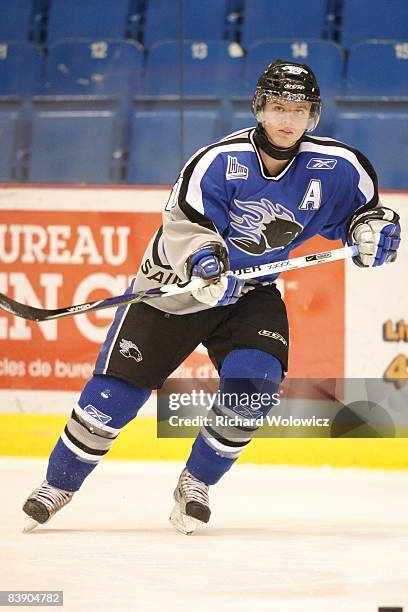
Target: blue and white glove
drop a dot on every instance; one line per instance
(205, 264)
(225, 289)
(377, 234)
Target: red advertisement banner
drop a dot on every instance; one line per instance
(52, 259)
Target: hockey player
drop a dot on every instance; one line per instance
(245, 200)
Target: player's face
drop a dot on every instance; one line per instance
(285, 121)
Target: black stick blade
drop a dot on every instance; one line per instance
(31, 313)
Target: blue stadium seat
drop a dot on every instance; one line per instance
(20, 77)
(20, 69)
(15, 19)
(72, 144)
(324, 57)
(155, 146)
(105, 67)
(283, 19)
(378, 19)
(210, 68)
(88, 19)
(210, 74)
(364, 78)
(376, 135)
(10, 128)
(242, 119)
(162, 21)
(201, 20)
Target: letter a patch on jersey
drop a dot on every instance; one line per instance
(313, 196)
(236, 170)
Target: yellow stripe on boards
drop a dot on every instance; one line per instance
(34, 435)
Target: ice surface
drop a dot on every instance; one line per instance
(280, 539)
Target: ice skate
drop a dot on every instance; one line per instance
(192, 504)
(43, 503)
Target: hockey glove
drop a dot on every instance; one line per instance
(222, 292)
(225, 289)
(205, 264)
(377, 234)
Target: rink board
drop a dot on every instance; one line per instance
(68, 246)
(35, 436)
(41, 371)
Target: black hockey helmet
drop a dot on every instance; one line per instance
(288, 81)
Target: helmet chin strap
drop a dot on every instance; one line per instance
(262, 141)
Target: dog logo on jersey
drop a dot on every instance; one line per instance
(319, 163)
(97, 414)
(236, 170)
(130, 350)
(263, 227)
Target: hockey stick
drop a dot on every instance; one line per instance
(32, 313)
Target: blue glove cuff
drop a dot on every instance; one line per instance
(213, 250)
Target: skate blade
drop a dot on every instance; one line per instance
(29, 525)
(182, 522)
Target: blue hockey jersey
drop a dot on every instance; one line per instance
(224, 194)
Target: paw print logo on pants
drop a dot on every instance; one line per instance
(129, 350)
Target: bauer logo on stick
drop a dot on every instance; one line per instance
(80, 308)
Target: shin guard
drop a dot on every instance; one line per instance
(105, 406)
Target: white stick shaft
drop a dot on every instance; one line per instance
(32, 313)
(275, 267)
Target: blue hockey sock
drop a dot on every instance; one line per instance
(216, 449)
(205, 463)
(105, 406)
